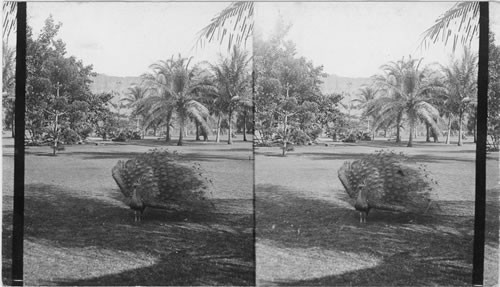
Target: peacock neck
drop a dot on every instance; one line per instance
(136, 199)
(361, 202)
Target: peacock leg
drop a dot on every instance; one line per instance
(362, 217)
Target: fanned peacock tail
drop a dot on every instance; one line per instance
(390, 181)
(163, 180)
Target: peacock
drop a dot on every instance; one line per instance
(160, 179)
(386, 181)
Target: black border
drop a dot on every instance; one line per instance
(18, 213)
(482, 129)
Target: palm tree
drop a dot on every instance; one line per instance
(233, 83)
(366, 95)
(132, 100)
(176, 89)
(461, 84)
(234, 22)
(407, 92)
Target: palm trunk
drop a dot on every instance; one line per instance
(229, 134)
(285, 135)
(449, 130)
(460, 143)
(475, 132)
(427, 133)
(412, 130)
(197, 131)
(217, 136)
(244, 125)
(56, 135)
(169, 119)
(181, 135)
(398, 127)
(285, 130)
(13, 127)
(167, 137)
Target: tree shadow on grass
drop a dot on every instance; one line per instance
(190, 249)
(351, 156)
(415, 250)
(93, 155)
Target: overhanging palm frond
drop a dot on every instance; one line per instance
(234, 22)
(461, 22)
(9, 18)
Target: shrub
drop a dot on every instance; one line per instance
(299, 137)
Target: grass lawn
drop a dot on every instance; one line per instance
(306, 234)
(78, 231)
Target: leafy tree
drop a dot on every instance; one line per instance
(58, 96)
(328, 112)
(461, 83)
(287, 89)
(102, 120)
(407, 91)
(232, 78)
(8, 85)
(494, 94)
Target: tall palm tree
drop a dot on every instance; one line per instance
(408, 92)
(176, 89)
(132, 99)
(461, 84)
(366, 96)
(234, 22)
(233, 82)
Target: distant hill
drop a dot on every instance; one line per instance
(107, 84)
(104, 83)
(349, 87)
(331, 84)
(338, 84)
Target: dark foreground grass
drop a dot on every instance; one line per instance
(307, 235)
(78, 232)
(390, 250)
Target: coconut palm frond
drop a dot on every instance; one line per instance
(235, 23)
(9, 18)
(461, 22)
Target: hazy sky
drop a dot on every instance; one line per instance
(123, 39)
(349, 39)
(355, 39)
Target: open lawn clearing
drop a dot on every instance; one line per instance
(78, 231)
(308, 235)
